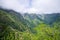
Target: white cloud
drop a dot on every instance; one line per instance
(31, 10)
(17, 5)
(32, 6)
(46, 5)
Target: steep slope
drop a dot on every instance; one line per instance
(47, 32)
(11, 25)
(12, 19)
(16, 26)
(32, 19)
(51, 18)
(36, 19)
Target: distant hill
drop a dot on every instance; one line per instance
(44, 18)
(32, 20)
(18, 26)
(12, 18)
(51, 18)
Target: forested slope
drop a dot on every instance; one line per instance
(13, 26)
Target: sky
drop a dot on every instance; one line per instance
(32, 6)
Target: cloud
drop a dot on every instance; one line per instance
(32, 6)
(46, 6)
(31, 10)
(17, 5)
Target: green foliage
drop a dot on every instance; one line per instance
(12, 28)
(45, 32)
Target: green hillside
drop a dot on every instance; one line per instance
(14, 27)
(9, 25)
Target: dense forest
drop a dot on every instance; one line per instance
(14, 27)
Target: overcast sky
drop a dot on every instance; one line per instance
(32, 6)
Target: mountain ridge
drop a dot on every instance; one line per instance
(16, 26)
(40, 17)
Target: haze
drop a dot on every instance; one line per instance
(32, 6)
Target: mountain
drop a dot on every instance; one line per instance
(36, 19)
(32, 19)
(12, 18)
(18, 26)
(51, 18)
